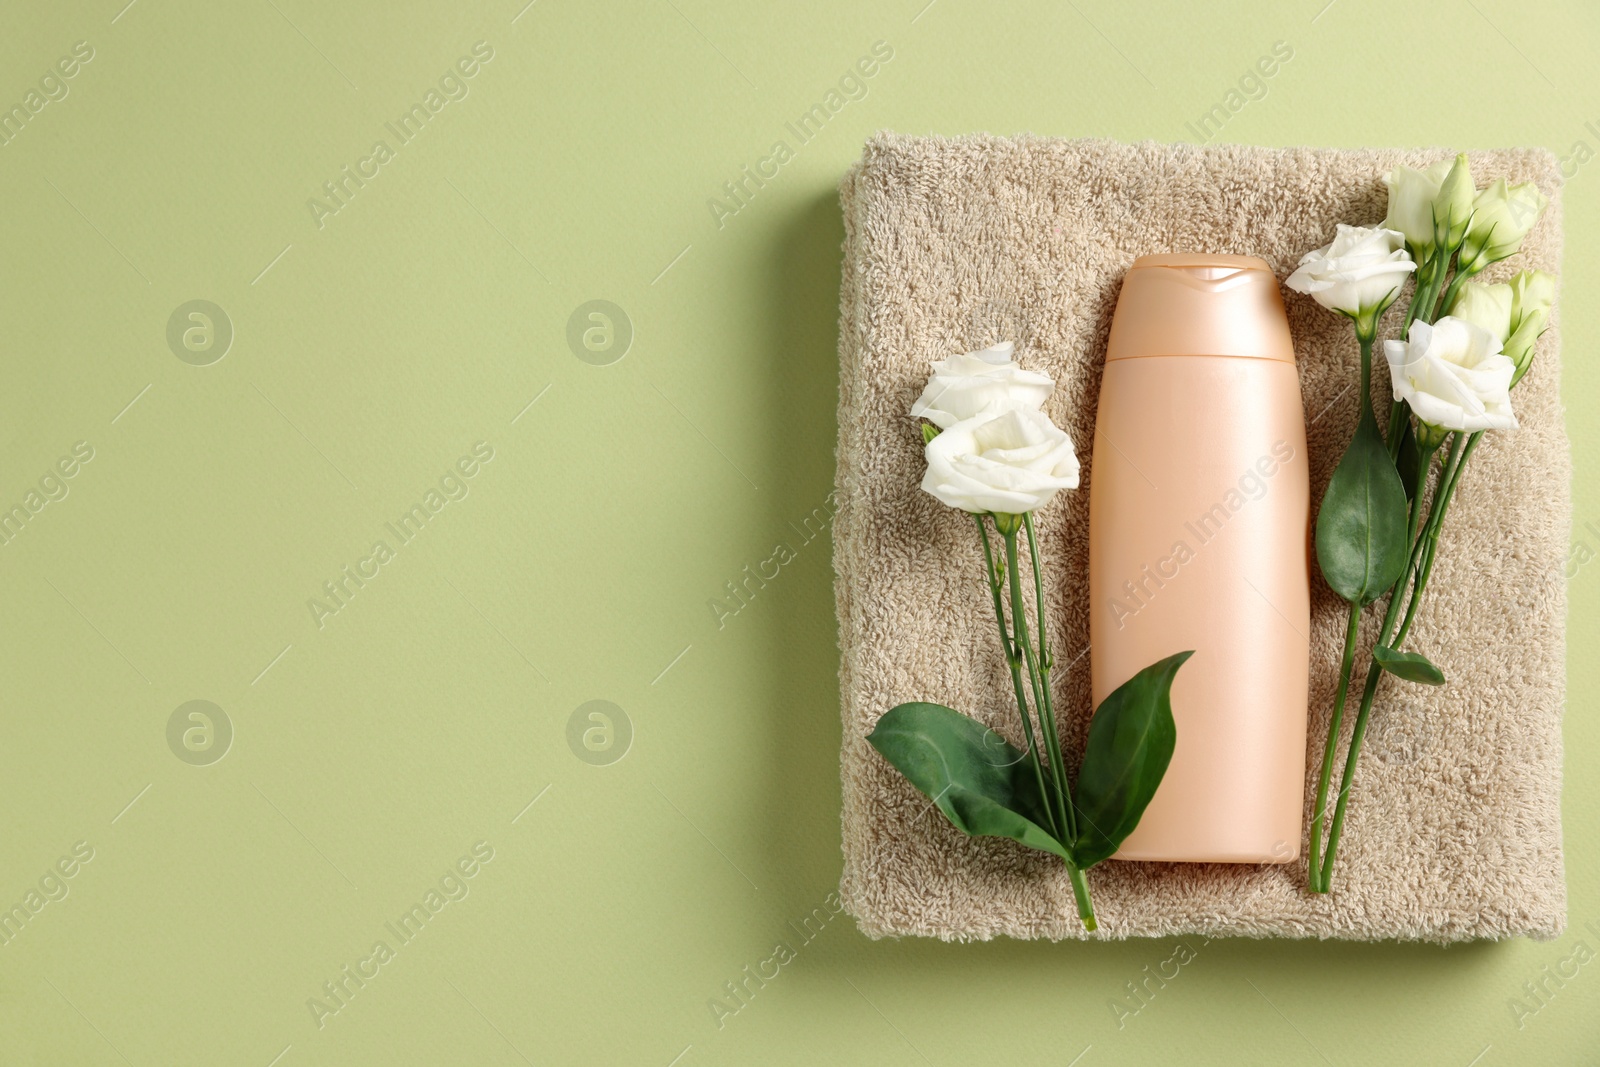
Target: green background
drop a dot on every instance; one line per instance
(372, 751)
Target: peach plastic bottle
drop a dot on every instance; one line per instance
(1199, 518)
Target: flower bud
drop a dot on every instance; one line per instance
(1453, 207)
(1488, 306)
(1531, 290)
(1532, 294)
(1411, 197)
(1501, 218)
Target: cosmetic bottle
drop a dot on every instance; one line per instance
(1199, 527)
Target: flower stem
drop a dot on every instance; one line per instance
(1435, 523)
(1424, 464)
(1427, 292)
(1364, 336)
(1080, 892)
(1057, 802)
(1450, 292)
(1375, 672)
(1014, 664)
(1046, 661)
(994, 590)
(1019, 625)
(1047, 715)
(1399, 412)
(1314, 861)
(1356, 737)
(1039, 667)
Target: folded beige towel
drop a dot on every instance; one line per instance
(1454, 825)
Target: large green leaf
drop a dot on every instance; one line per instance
(985, 785)
(1412, 666)
(1130, 744)
(1361, 529)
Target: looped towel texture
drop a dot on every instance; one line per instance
(1454, 825)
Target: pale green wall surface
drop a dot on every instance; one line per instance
(374, 747)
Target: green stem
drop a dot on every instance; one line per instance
(1014, 663)
(1080, 892)
(1374, 672)
(1047, 722)
(1420, 564)
(1045, 659)
(1039, 673)
(994, 590)
(1426, 291)
(1047, 716)
(1397, 427)
(1435, 524)
(1422, 296)
(1019, 625)
(1425, 455)
(1364, 336)
(1314, 862)
(1356, 736)
(1456, 283)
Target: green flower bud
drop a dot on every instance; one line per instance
(1411, 197)
(1453, 207)
(1533, 292)
(1488, 306)
(1501, 218)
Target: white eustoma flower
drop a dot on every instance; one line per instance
(1411, 197)
(1488, 306)
(1359, 274)
(1501, 217)
(1453, 375)
(1007, 462)
(989, 380)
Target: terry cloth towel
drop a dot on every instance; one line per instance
(951, 245)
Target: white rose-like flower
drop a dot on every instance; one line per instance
(1359, 274)
(1007, 462)
(1453, 375)
(965, 385)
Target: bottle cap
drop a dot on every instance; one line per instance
(1200, 305)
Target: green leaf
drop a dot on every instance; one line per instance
(1361, 529)
(984, 784)
(1409, 460)
(1130, 744)
(1412, 666)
